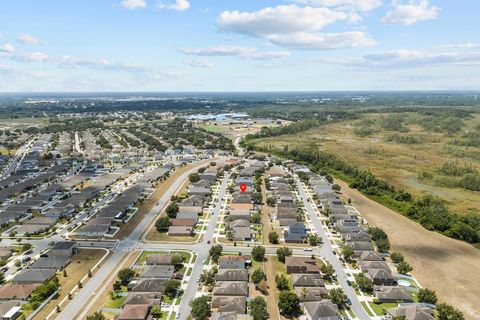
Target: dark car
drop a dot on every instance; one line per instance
(26, 259)
(208, 242)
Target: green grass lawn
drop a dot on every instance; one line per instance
(379, 308)
(367, 310)
(115, 303)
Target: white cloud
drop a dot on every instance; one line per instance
(5, 68)
(28, 39)
(133, 4)
(8, 48)
(243, 52)
(295, 27)
(350, 5)
(179, 5)
(323, 41)
(202, 63)
(281, 19)
(411, 59)
(410, 12)
(31, 57)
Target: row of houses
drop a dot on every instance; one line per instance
(372, 264)
(239, 216)
(146, 290)
(114, 211)
(230, 293)
(189, 209)
(24, 283)
(288, 214)
(310, 288)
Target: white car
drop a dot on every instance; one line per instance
(307, 249)
(177, 316)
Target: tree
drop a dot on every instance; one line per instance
(156, 311)
(200, 308)
(194, 177)
(289, 304)
(258, 253)
(327, 270)
(314, 239)
(163, 223)
(383, 245)
(281, 281)
(396, 257)
(338, 297)
(258, 309)
(426, 295)
(258, 275)
(336, 187)
(2, 277)
(172, 210)
(365, 284)
(177, 261)
(125, 275)
(282, 253)
(26, 246)
(208, 277)
(447, 312)
(96, 316)
(377, 233)
(273, 237)
(404, 268)
(171, 287)
(215, 252)
(256, 217)
(347, 252)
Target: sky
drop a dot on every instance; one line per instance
(238, 45)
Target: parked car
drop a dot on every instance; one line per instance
(208, 242)
(26, 259)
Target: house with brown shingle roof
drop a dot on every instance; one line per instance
(301, 265)
(311, 293)
(17, 291)
(135, 312)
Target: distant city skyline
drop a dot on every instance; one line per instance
(192, 45)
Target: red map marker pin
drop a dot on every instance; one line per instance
(243, 187)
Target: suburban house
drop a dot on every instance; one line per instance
(412, 312)
(301, 265)
(392, 294)
(296, 233)
(321, 310)
(17, 291)
(231, 262)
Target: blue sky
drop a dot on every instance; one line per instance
(241, 45)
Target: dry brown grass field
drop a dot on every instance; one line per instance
(399, 164)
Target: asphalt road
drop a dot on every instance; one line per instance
(326, 251)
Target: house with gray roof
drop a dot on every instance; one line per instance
(321, 310)
(231, 275)
(231, 288)
(230, 304)
(311, 293)
(392, 294)
(34, 276)
(412, 312)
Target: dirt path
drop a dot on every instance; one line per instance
(272, 297)
(448, 266)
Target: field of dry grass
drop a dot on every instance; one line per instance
(448, 266)
(399, 164)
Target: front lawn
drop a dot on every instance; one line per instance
(381, 307)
